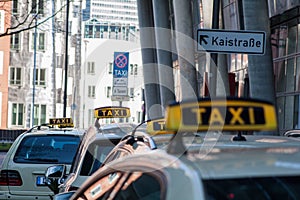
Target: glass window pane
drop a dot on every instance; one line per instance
(292, 37)
(280, 76)
(18, 76)
(42, 77)
(290, 75)
(47, 149)
(14, 114)
(36, 115)
(43, 114)
(12, 75)
(20, 114)
(41, 41)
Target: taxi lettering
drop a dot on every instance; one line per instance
(121, 73)
(223, 115)
(106, 112)
(111, 113)
(58, 121)
(159, 126)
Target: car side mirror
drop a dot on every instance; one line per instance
(55, 171)
(54, 177)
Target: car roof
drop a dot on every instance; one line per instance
(269, 155)
(55, 131)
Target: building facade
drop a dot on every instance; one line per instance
(37, 63)
(4, 63)
(112, 26)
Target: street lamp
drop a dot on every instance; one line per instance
(83, 90)
(66, 60)
(34, 69)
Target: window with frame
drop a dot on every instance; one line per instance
(15, 41)
(39, 114)
(40, 41)
(91, 67)
(110, 68)
(91, 91)
(15, 6)
(133, 69)
(15, 76)
(37, 7)
(108, 91)
(91, 116)
(135, 72)
(131, 92)
(17, 114)
(40, 77)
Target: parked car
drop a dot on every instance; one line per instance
(94, 148)
(218, 166)
(133, 142)
(22, 175)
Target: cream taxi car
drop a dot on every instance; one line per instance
(22, 175)
(216, 165)
(96, 144)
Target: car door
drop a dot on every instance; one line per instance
(132, 182)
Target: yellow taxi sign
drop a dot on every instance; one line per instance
(62, 122)
(112, 112)
(221, 114)
(157, 127)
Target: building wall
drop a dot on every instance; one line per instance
(46, 61)
(4, 63)
(100, 52)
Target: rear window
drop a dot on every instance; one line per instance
(253, 188)
(59, 149)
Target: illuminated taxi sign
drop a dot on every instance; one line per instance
(157, 127)
(230, 115)
(112, 112)
(62, 122)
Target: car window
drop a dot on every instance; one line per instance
(47, 149)
(95, 156)
(274, 188)
(125, 185)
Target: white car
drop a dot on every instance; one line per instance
(212, 166)
(22, 175)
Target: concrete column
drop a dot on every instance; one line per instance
(163, 49)
(185, 44)
(260, 67)
(150, 71)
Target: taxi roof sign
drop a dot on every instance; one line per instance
(221, 114)
(61, 122)
(112, 112)
(157, 127)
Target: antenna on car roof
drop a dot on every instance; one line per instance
(239, 137)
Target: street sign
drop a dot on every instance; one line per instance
(225, 41)
(120, 82)
(121, 60)
(120, 76)
(119, 91)
(120, 98)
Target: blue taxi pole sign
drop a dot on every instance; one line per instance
(120, 73)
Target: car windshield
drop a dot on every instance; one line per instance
(59, 149)
(253, 188)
